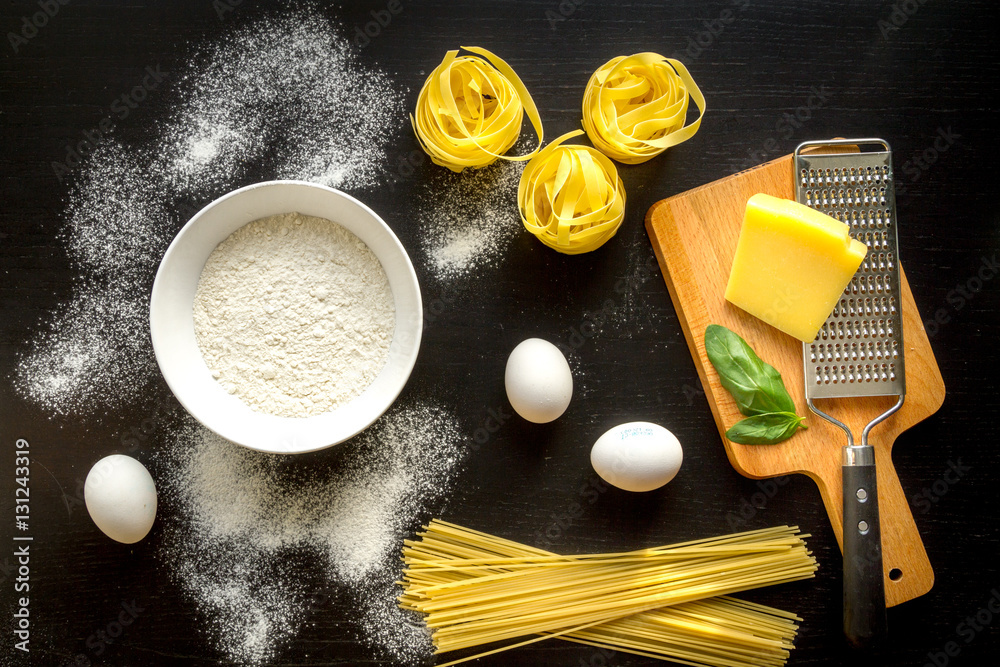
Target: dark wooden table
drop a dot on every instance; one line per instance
(923, 75)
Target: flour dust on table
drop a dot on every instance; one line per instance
(289, 96)
(242, 518)
(95, 348)
(294, 86)
(469, 219)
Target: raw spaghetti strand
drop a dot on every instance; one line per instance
(571, 197)
(470, 109)
(635, 107)
(666, 602)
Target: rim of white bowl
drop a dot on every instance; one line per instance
(171, 319)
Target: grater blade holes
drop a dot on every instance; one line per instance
(857, 351)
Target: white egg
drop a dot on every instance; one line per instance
(121, 498)
(637, 456)
(538, 380)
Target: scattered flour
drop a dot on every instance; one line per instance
(470, 218)
(244, 518)
(287, 91)
(294, 315)
(208, 142)
(280, 98)
(94, 349)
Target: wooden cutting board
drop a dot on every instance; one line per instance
(694, 236)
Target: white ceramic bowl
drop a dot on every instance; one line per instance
(171, 318)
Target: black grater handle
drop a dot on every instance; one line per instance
(864, 587)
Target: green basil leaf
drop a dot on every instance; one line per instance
(756, 385)
(766, 429)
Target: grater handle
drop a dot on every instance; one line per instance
(864, 588)
(812, 145)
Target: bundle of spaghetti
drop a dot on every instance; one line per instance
(571, 197)
(635, 107)
(475, 588)
(470, 109)
(717, 632)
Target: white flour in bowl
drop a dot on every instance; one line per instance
(294, 315)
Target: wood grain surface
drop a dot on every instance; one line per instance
(694, 235)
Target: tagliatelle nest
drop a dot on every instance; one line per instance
(571, 197)
(635, 106)
(470, 109)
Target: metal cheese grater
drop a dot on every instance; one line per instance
(859, 349)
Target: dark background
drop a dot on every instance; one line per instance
(936, 71)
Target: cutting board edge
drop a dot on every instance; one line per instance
(692, 344)
(715, 393)
(937, 390)
(707, 384)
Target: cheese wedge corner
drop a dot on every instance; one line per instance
(792, 265)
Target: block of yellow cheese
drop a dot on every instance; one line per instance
(792, 264)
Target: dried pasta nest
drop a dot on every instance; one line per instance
(571, 197)
(635, 107)
(470, 109)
